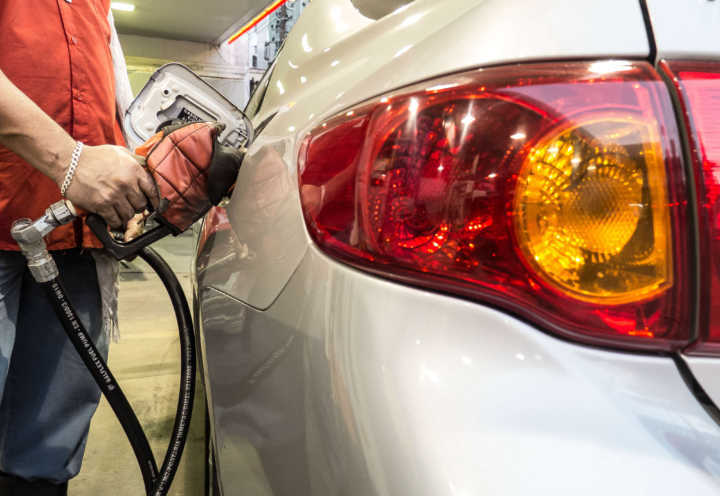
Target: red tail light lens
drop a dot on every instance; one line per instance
(550, 190)
(698, 84)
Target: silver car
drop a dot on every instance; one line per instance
(473, 249)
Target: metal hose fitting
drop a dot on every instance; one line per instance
(30, 236)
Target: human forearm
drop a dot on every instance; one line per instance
(108, 179)
(31, 133)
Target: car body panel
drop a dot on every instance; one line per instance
(689, 32)
(350, 384)
(268, 236)
(355, 58)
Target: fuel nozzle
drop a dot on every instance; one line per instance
(30, 235)
(223, 172)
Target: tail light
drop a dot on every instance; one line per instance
(553, 191)
(698, 84)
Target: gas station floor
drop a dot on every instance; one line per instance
(146, 362)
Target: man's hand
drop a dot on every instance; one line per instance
(110, 182)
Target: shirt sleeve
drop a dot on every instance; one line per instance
(123, 91)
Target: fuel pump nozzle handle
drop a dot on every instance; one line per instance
(204, 181)
(185, 158)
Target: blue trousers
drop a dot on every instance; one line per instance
(48, 396)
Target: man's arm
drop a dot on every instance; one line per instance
(108, 179)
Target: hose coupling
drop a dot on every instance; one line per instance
(30, 236)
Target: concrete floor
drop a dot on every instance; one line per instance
(147, 365)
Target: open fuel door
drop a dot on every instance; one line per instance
(175, 93)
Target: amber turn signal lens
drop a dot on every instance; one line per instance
(591, 211)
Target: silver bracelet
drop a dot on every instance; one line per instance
(71, 170)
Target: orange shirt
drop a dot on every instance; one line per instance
(58, 53)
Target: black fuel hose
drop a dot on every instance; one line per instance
(180, 305)
(156, 484)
